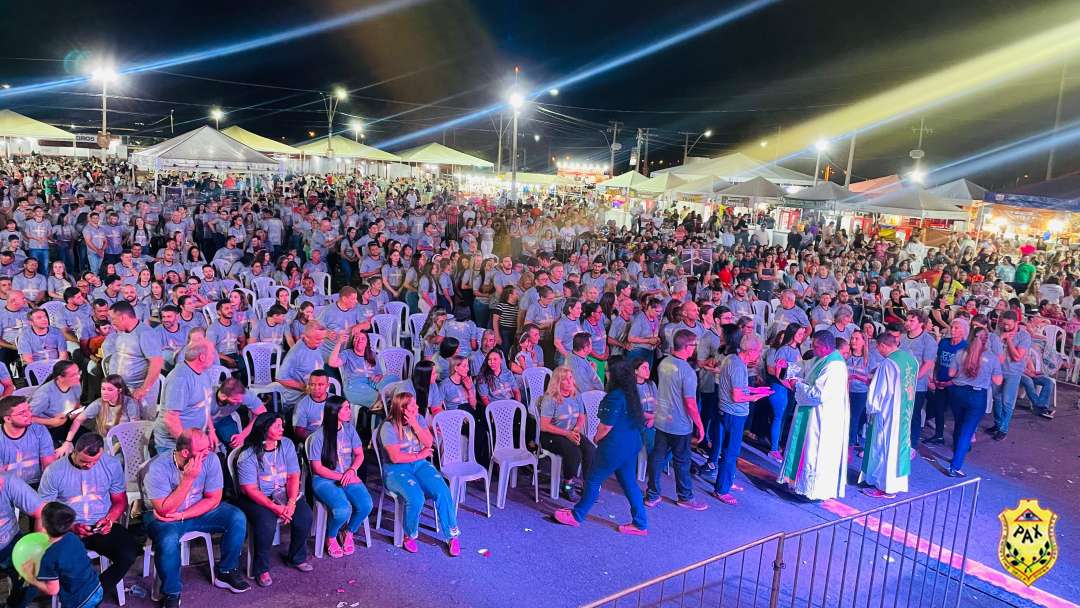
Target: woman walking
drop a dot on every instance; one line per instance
(973, 370)
(618, 444)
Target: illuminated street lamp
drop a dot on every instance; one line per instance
(554, 92)
(105, 74)
(217, 114)
(687, 146)
(821, 146)
(331, 100)
(516, 101)
(356, 127)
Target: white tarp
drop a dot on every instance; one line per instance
(204, 149)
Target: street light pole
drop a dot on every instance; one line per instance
(687, 146)
(105, 112)
(332, 100)
(821, 147)
(516, 101)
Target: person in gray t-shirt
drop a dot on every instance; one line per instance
(187, 397)
(677, 421)
(735, 395)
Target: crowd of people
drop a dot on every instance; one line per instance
(128, 300)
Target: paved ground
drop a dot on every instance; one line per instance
(527, 559)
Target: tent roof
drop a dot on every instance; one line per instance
(205, 149)
(703, 185)
(661, 183)
(960, 190)
(438, 154)
(346, 148)
(823, 192)
(544, 179)
(258, 142)
(1059, 194)
(630, 179)
(738, 167)
(877, 186)
(909, 202)
(759, 187)
(13, 124)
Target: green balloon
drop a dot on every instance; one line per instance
(32, 546)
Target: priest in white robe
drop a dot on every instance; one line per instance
(886, 460)
(815, 461)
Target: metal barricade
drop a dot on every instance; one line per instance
(908, 553)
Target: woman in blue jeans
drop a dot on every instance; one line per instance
(973, 371)
(618, 441)
(862, 362)
(781, 363)
(408, 445)
(336, 454)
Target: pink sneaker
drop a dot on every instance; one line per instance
(454, 547)
(632, 530)
(566, 517)
(333, 548)
(349, 546)
(410, 545)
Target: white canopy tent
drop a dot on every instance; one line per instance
(204, 149)
(758, 187)
(908, 202)
(739, 167)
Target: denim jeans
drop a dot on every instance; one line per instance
(94, 261)
(968, 406)
(1005, 401)
(731, 434)
(224, 519)
(858, 417)
(42, 256)
(916, 419)
(710, 416)
(679, 446)
(481, 314)
(779, 402)
(351, 503)
(415, 482)
(617, 453)
(263, 522)
(1040, 398)
(937, 403)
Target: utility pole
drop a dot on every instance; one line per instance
(917, 154)
(498, 162)
(645, 163)
(615, 145)
(636, 157)
(1057, 122)
(172, 131)
(850, 160)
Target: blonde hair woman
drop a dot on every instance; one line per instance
(562, 429)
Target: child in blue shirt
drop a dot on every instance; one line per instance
(64, 567)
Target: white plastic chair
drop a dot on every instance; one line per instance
(335, 387)
(263, 287)
(399, 503)
(210, 313)
(38, 371)
(55, 310)
(555, 474)
(395, 362)
(401, 311)
(535, 380)
(262, 306)
(591, 400)
(455, 441)
(321, 516)
(249, 296)
(222, 266)
(387, 327)
(322, 282)
(909, 302)
(185, 551)
(230, 463)
(219, 373)
(132, 441)
(377, 342)
(416, 323)
(260, 361)
(761, 311)
(1055, 339)
(508, 449)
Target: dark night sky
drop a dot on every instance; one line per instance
(782, 65)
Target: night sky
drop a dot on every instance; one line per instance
(773, 69)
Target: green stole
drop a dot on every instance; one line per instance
(794, 457)
(909, 373)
